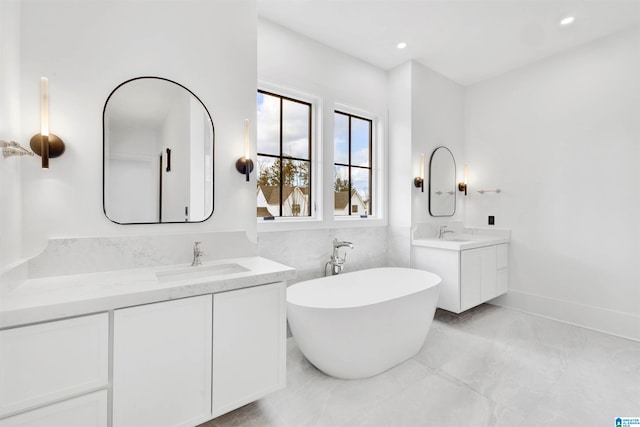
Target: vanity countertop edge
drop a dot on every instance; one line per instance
(57, 297)
(468, 242)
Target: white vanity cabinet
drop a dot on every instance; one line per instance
(159, 346)
(469, 276)
(54, 363)
(162, 363)
(249, 345)
(183, 362)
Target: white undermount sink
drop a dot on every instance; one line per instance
(200, 272)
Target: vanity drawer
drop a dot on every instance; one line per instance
(43, 363)
(89, 410)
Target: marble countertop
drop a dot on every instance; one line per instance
(460, 242)
(48, 298)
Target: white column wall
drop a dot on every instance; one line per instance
(10, 182)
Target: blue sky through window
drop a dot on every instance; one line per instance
(295, 126)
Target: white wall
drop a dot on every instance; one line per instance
(400, 174)
(561, 137)
(426, 111)
(208, 46)
(287, 59)
(437, 117)
(10, 182)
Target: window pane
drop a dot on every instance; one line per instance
(361, 195)
(295, 189)
(360, 142)
(341, 138)
(341, 190)
(268, 124)
(268, 187)
(295, 129)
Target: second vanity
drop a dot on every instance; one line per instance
(473, 264)
(154, 346)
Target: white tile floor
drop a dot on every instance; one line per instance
(487, 367)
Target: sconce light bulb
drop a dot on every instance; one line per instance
(247, 151)
(44, 143)
(44, 106)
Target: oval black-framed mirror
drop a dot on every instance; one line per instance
(442, 182)
(158, 154)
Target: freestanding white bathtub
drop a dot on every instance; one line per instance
(356, 325)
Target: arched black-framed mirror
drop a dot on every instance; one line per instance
(158, 154)
(442, 183)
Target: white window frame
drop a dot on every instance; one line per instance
(316, 161)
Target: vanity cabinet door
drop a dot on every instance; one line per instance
(249, 345)
(162, 363)
(445, 264)
(478, 276)
(47, 362)
(502, 280)
(488, 277)
(471, 262)
(89, 410)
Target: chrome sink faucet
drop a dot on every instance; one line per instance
(197, 254)
(443, 230)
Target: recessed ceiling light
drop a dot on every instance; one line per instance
(568, 20)
(402, 45)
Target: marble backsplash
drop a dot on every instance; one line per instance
(97, 254)
(309, 250)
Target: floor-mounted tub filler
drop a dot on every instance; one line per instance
(359, 324)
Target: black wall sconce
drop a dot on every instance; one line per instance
(462, 186)
(244, 165)
(419, 180)
(45, 144)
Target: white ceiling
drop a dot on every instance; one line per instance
(465, 40)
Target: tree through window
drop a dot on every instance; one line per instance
(284, 156)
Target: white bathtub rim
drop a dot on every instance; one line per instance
(334, 293)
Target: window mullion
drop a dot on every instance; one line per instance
(281, 158)
(310, 152)
(349, 171)
(370, 210)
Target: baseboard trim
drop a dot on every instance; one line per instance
(620, 324)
